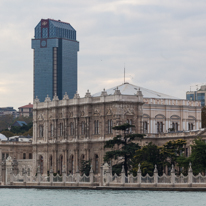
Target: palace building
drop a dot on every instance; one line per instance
(70, 130)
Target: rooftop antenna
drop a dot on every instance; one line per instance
(124, 73)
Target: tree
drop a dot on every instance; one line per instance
(148, 156)
(203, 117)
(124, 147)
(85, 167)
(23, 130)
(172, 150)
(198, 156)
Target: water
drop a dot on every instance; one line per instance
(55, 197)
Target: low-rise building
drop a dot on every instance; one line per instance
(26, 110)
(8, 111)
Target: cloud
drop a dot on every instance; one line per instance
(161, 43)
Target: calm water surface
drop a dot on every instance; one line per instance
(38, 197)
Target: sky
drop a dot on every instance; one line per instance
(162, 44)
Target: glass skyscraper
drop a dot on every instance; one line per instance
(198, 95)
(55, 59)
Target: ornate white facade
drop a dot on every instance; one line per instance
(70, 130)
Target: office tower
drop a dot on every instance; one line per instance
(198, 95)
(55, 59)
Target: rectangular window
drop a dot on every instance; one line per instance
(24, 155)
(30, 155)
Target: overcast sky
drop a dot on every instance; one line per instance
(161, 42)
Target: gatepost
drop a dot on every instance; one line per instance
(64, 175)
(38, 175)
(123, 176)
(77, 177)
(173, 175)
(51, 176)
(139, 175)
(190, 173)
(155, 175)
(25, 172)
(91, 176)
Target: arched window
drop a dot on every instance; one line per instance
(190, 126)
(71, 128)
(161, 127)
(60, 164)
(96, 164)
(145, 126)
(83, 128)
(52, 130)
(41, 162)
(173, 125)
(158, 127)
(50, 161)
(110, 125)
(72, 164)
(61, 129)
(176, 126)
(41, 130)
(96, 127)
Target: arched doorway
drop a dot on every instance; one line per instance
(71, 167)
(61, 164)
(41, 164)
(96, 163)
(50, 162)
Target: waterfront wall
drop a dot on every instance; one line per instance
(106, 179)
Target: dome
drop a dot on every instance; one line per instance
(3, 137)
(130, 89)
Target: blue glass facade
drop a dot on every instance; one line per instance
(55, 59)
(201, 97)
(190, 97)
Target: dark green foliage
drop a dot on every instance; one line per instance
(172, 150)
(183, 162)
(8, 120)
(148, 156)
(85, 167)
(24, 130)
(151, 155)
(116, 169)
(124, 147)
(204, 117)
(198, 156)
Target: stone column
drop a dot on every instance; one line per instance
(151, 122)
